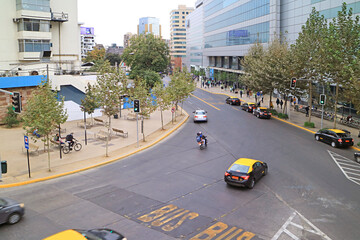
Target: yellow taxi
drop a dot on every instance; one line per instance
(93, 234)
(244, 172)
(248, 106)
(262, 112)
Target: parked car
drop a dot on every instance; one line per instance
(233, 101)
(200, 116)
(262, 112)
(96, 234)
(335, 137)
(244, 172)
(248, 106)
(11, 211)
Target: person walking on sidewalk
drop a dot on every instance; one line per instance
(307, 111)
(281, 103)
(277, 102)
(241, 93)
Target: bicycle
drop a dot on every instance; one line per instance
(76, 146)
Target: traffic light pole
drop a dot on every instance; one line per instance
(137, 130)
(322, 109)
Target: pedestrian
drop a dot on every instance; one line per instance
(255, 97)
(271, 105)
(247, 93)
(250, 93)
(262, 98)
(307, 110)
(241, 93)
(277, 102)
(281, 103)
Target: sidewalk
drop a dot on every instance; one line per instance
(93, 154)
(295, 117)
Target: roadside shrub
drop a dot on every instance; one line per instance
(283, 116)
(309, 124)
(274, 112)
(358, 144)
(11, 118)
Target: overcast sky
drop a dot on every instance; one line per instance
(111, 19)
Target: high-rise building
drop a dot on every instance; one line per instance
(38, 31)
(149, 25)
(220, 33)
(114, 49)
(178, 35)
(87, 40)
(127, 38)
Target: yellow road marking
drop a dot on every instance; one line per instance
(235, 108)
(205, 102)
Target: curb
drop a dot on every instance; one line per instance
(282, 120)
(97, 165)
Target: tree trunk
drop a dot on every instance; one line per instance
(107, 138)
(48, 151)
(162, 119)
(285, 105)
(336, 102)
(142, 128)
(182, 104)
(270, 101)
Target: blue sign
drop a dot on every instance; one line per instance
(26, 141)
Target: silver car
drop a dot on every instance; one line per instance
(11, 211)
(200, 116)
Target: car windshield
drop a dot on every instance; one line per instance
(200, 112)
(239, 168)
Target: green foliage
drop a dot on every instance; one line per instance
(95, 55)
(163, 100)
(44, 113)
(309, 124)
(358, 144)
(11, 118)
(90, 102)
(180, 86)
(283, 115)
(274, 112)
(146, 52)
(113, 58)
(150, 77)
(101, 66)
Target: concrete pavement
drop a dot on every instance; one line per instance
(295, 118)
(91, 155)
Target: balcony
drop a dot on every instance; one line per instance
(59, 17)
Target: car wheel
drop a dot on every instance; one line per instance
(252, 183)
(357, 159)
(333, 144)
(265, 172)
(14, 218)
(258, 116)
(317, 138)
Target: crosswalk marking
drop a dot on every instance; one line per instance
(286, 233)
(349, 168)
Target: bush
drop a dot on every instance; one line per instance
(11, 118)
(274, 112)
(283, 116)
(309, 124)
(358, 144)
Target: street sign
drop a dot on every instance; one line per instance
(26, 141)
(173, 109)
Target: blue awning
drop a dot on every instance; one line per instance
(21, 81)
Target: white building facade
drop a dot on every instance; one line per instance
(38, 31)
(87, 40)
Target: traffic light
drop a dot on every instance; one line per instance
(136, 105)
(293, 83)
(322, 99)
(16, 102)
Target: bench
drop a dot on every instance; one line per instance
(120, 132)
(99, 121)
(33, 148)
(131, 116)
(102, 135)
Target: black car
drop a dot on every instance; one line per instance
(262, 112)
(248, 106)
(232, 101)
(357, 156)
(335, 137)
(244, 172)
(11, 211)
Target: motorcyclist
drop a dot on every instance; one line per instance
(200, 137)
(70, 139)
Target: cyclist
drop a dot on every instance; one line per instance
(70, 140)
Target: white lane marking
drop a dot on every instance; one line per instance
(337, 159)
(356, 165)
(296, 214)
(354, 170)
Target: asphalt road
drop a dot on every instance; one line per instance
(174, 190)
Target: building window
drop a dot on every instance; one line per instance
(32, 45)
(175, 17)
(175, 21)
(34, 25)
(33, 5)
(183, 17)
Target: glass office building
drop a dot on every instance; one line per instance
(222, 31)
(149, 25)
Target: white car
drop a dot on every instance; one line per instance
(200, 116)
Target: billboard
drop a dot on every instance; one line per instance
(87, 30)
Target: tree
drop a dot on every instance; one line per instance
(109, 88)
(163, 100)
(95, 55)
(11, 118)
(306, 52)
(113, 58)
(341, 51)
(90, 102)
(150, 77)
(146, 53)
(44, 113)
(147, 106)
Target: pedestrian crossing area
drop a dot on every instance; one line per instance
(350, 168)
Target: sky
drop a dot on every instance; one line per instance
(112, 19)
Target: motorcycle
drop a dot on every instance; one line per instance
(203, 143)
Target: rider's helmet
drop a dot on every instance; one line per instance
(199, 133)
